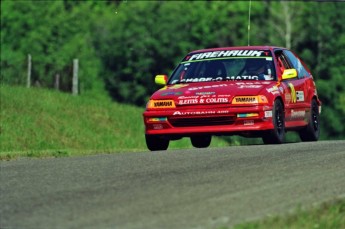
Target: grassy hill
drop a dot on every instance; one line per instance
(41, 122)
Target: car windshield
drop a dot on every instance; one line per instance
(225, 65)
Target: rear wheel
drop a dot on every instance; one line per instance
(312, 131)
(277, 135)
(203, 141)
(156, 142)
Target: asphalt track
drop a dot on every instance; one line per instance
(195, 188)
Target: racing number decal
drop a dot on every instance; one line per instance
(293, 93)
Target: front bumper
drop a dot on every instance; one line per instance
(214, 121)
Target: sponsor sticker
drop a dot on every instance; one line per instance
(218, 79)
(205, 93)
(207, 112)
(248, 122)
(161, 104)
(245, 100)
(201, 79)
(300, 114)
(249, 86)
(247, 115)
(203, 101)
(188, 101)
(273, 90)
(216, 100)
(171, 93)
(188, 97)
(225, 53)
(207, 87)
(300, 96)
(242, 78)
(268, 114)
(158, 119)
(252, 83)
(293, 93)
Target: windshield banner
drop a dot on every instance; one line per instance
(227, 53)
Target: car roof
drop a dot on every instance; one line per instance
(237, 48)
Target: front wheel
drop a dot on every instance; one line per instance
(156, 142)
(277, 135)
(312, 131)
(201, 141)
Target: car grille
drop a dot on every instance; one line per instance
(202, 121)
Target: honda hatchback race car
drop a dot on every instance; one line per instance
(252, 91)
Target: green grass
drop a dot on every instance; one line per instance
(40, 122)
(330, 215)
(37, 119)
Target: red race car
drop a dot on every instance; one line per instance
(252, 91)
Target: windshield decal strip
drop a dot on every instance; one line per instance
(226, 58)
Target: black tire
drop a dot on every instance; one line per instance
(277, 135)
(312, 131)
(156, 142)
(202, 141)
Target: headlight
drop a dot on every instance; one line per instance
(161, 104)
(259, 99)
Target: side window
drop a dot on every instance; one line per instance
(302, 72)
(282, 61)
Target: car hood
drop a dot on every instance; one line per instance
(211, 93)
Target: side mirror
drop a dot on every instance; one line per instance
(289, 74)
(161, 80)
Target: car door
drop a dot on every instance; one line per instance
(301, 83)
(297, 101)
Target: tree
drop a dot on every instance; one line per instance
(54, 35)
(140, 49)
